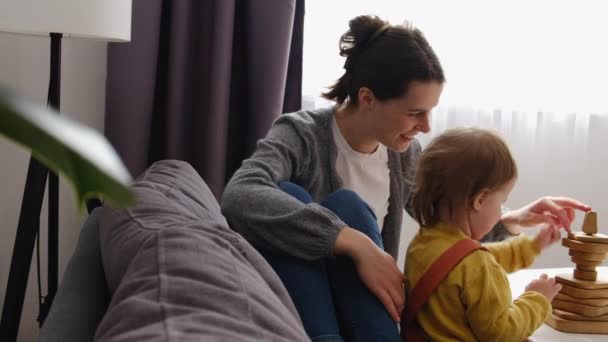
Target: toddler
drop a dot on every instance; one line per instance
(463, 178)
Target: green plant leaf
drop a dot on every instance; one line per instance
(80, 154)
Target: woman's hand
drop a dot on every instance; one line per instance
(377, 269)
(557, 212)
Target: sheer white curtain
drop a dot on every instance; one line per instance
(534, 70)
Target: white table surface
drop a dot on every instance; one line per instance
(518, 281)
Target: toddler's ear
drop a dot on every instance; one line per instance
(479, 198)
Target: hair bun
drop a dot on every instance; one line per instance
(362, 30)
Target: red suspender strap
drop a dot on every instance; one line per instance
(434, 275)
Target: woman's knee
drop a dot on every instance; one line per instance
(295, 191)
(353, 210)
(345, 197)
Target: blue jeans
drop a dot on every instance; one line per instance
(330, 297)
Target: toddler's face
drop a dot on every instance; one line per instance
(486, 209)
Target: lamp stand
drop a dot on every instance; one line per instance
(28, 227)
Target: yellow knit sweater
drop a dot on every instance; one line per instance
(473, 303)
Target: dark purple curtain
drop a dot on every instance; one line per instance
(202, 81)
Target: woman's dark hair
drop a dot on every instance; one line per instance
(384, 58)
(456, 166)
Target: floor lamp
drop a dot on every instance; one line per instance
(108, 20)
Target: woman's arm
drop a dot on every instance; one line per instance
(558, 212)
(269, 218)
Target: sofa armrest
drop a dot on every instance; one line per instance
(82, 297)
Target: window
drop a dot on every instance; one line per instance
(522, 55)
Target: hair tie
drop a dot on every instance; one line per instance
(350, 61)
(377, 34)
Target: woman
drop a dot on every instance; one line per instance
(322, 196)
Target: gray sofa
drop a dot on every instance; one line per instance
(168, 269)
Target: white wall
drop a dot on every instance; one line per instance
(24, 67)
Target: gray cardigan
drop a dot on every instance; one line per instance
(300, 148)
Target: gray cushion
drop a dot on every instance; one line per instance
(177, 272)
(82, 298)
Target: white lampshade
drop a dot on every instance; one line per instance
(108, 20)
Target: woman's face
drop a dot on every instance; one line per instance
(395, 122)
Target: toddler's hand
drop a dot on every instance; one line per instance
(545, 286)
(547, 236)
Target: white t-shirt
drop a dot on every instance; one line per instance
(365, 174)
